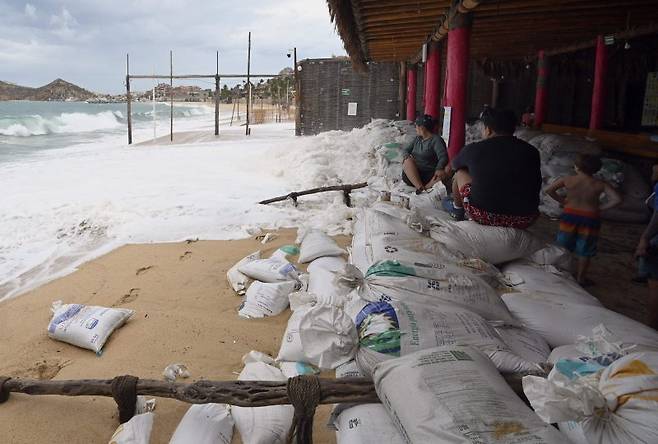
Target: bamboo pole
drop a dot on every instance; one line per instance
(171, 95)
(217, 96)
(248, 83)
(128, 104)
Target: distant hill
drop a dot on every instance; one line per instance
(56, 90)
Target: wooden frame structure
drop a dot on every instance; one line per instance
(217, 77)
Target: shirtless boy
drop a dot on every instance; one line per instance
(580, 221)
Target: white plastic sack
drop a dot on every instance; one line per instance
(615, 406)
(434, 285)
(321, 335)
(547, 280)
(266, 299)
(262, 425)
(525, 343)
(331, 263)
(239, 281)
(554, 255)
(495, 245)
(455, 395)
(364, 424)
(317, 244)
(387, 330)
(135, 431)
(285, 251)
(85, 326)
(204, 424)
(562, 323)
(269, 270)
(322, 283)
(410, 249)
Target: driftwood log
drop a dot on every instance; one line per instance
(305, 393)
(346, 189)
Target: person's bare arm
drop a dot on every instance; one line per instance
(614, 198)
(552, 189)
(649, 233)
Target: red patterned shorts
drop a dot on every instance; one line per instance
(484, 217)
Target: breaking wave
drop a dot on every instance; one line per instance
(37, 125)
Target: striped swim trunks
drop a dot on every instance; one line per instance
(579, 231)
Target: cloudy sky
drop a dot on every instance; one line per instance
(85, 41)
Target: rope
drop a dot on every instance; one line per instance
(124, 392)
(304, 394)
(4, 393)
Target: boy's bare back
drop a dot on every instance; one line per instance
(583, 192)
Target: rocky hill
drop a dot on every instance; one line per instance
(56, 90)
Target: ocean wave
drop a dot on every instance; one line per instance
(77, 122)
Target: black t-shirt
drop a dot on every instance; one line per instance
(506, 175)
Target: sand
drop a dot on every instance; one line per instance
(185, 312)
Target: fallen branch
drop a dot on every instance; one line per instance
(346, 189)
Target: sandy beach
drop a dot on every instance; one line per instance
(185, 312)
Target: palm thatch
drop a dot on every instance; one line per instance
(344, 15)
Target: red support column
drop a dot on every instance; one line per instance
(541, 91)
(433, 80)
(411, 92)
(598, 92)
(456, 88)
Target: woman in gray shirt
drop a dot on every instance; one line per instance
(425, 158)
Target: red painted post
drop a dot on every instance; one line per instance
(433, 80)
(598, 92)
(458, 49)
(541, 91)
(411, 92)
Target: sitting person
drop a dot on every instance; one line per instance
(580, 221)
(497, 180)
(425, 158)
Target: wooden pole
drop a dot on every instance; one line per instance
(346, 189)
(411, 92)
(298, 97)
(128, 104)
(402, 90)
(598, 90)
(171, 96)
(248, 83)
(541, 91)
(217, 97)
(495, 92)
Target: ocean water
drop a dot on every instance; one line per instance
(72, 189)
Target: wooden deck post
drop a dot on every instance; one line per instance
(171, 95)
(217, 96)
(598, 91)
(411, 92)
(248, 83)
(541, 91)
(433, 80)
(128, 104)
(402, 91)
(298, 96)
(456, 87)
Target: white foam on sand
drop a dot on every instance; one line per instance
(65, 207)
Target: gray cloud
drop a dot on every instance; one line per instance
(85, 41)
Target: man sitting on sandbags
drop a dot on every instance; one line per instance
(497, 180)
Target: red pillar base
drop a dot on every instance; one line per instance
(433, 81)
(411, 92)
(598, 91)
(541, 91)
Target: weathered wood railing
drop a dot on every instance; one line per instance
(305, 393)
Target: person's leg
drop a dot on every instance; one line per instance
(583, 266)
(460, 179)
(652, 303)
(411, 170)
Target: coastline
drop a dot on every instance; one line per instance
(185, 312)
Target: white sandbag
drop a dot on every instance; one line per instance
(525, 343)
(264, 299)
(463, 284)
(552, 254)
(292, 369)
(299, 299)
(135, 431)
(349, 369)
(86, 326)
(554, 284)
(269, 270)
(562, 323)
(321, 335)
(204, 424)
(617, 405)
(364, 424)
(317, 244)
(238, 280)
(284, 252)
(410, 249)
(455, 395)
(331, 263)
(322, 282)
(495, 245)
(262, 425)
(387, 330)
